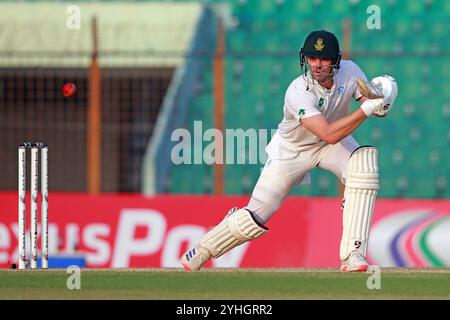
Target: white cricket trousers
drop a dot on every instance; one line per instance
(286, 168)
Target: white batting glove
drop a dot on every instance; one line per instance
(376, 107)
(389, 89)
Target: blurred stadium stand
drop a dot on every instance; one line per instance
(261, 59)
(262, 44)
(39, 54)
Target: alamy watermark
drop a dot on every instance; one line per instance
(73, 21)
(374, 281)
(211, 146)
(374, 20)
(74, 280)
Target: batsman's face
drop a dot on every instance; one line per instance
(321, 68)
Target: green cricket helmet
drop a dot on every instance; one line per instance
(320, 44)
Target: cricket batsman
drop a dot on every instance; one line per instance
(315, 132)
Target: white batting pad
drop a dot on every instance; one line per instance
(360, 193)
(236, 228)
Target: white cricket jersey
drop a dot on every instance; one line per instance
(306, 98)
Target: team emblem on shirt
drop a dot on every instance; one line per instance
(340, 90)
(319, 44)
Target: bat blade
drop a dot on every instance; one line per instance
(368, 90)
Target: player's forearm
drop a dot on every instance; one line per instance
(339, 129)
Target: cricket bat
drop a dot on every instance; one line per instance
(369, 90)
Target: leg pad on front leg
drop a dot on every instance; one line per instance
(236, 228)
(361, 189)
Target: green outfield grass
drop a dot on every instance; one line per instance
(276, 284)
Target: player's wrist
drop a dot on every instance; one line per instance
(367, 107)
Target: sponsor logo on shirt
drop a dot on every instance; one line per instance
(340, 90)
(321, 102)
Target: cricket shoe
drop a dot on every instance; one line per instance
(354, 263)
(195, 258)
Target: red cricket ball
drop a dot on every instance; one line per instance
(69, 89)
